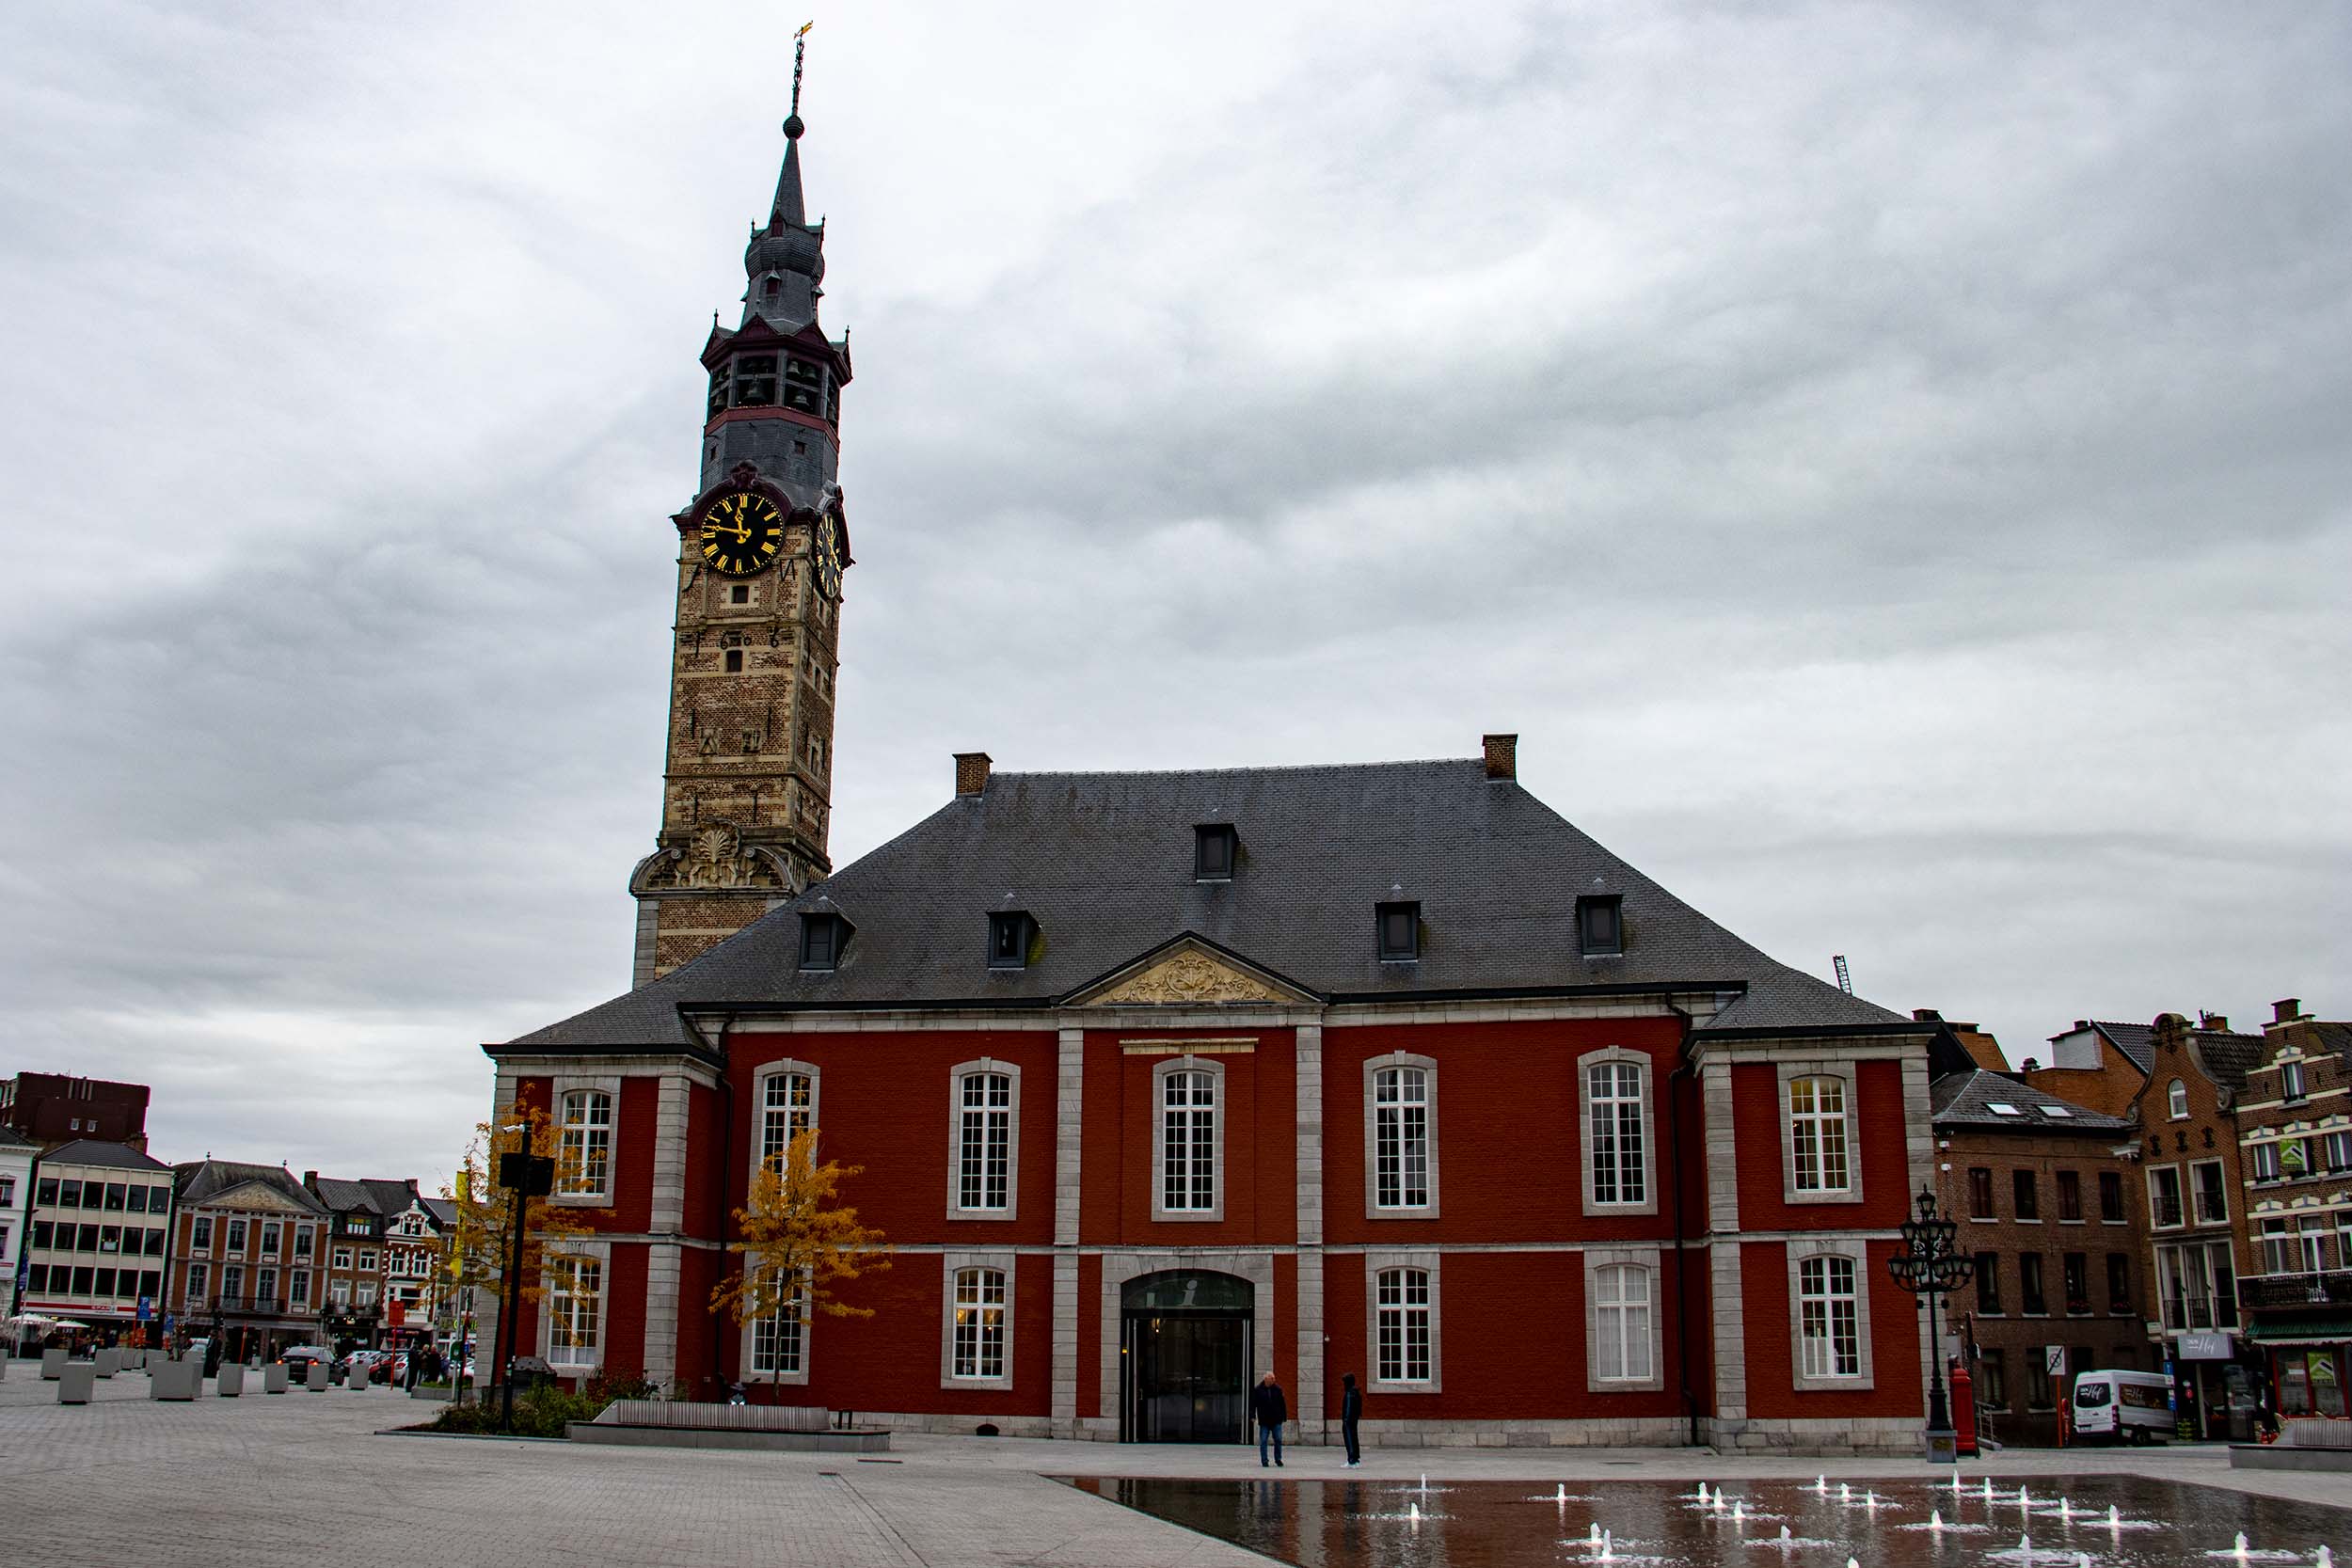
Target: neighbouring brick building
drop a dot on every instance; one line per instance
(100, 1237)
(2048, 1205)
(2294, 1144)
(2097, 1063)
(53, 1108)
(248, 1244)
(17, 1153)
(2184, 1120)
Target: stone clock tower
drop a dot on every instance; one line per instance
(746, 793)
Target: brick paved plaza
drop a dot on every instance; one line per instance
(127, 1482)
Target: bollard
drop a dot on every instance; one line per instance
(105, 1363)
(174, 1380)
(77, 1383)
(274, 1378)
(52, 1363)
(231, 1383)
(316, 1380)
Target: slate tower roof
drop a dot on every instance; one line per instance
(1103, 864)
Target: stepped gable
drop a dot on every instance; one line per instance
(1103, 862)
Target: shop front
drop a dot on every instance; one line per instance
(2306, 1362)
(2215, 1388)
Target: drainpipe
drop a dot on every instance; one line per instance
(1682, 1293)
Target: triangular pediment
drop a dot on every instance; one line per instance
(1188, 973)
(254, 1195)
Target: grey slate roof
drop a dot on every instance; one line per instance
(372, 1195)
(2229, 1058)
(2135, 1040)
(12, 1138)
(444, 1211)
(200, 1181)
(1966, 1099)
(1103, 861)
(97, 1151)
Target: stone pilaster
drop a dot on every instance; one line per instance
(1310, 1400)
(668, 1218)
(1068, 1124)
(1723, 1224)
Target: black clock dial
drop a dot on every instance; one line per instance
(741, 534)
(826, 549)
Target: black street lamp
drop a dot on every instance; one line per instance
(1931, 1266)
(527, 1175)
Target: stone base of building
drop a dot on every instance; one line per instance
(1862, 1435)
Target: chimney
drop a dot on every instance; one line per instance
(310, 1180)
(1503, 756)
(971, 772)
(2286, 1009)
(2032, 1066)
(2217, 1022)
(1926, 1014)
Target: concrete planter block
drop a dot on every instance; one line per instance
(274, 1378)
(316, 1381)
(52, 1363)
(77, 1383)
(107, 1362)
(231, 1383)
(356, 1383)
(174, 1380)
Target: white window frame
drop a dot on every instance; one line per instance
(1857, 1253)
(747, 1350)
(1004, 1264)
(759, 1152)
(239, 1234)
(559, 1094)
(1617, 1055)
(1847, 1078)
(196, 1288)
(576, 1252)
(1646, 1261)
(1375, 1264)
(298, 1287)
(1161, 1072)
(959, 1077)
(2176, 1101)
(2191, 1188)
(1373, 1068)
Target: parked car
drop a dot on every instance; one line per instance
(299, 1360)
(2123, 1407)
(360, 1364)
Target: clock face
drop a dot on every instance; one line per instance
(741, 534)
(826, 547)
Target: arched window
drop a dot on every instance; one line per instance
(585, 1168)
(787, 1108)
(1400, 1137)
(1621, 1314)
(2176, 1100)
(976, 1344)
(1401, 1326)
(1816, 1133)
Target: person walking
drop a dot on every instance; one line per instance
(1351, 1411)
(1271, 1409)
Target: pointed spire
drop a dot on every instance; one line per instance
(789, 207)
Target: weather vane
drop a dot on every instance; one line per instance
(800, 49)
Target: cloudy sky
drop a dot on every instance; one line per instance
(1889, 464)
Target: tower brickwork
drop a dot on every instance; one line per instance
(746, 798)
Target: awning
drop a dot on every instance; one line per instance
(2333, 1328)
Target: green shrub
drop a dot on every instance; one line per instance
(544, 1410)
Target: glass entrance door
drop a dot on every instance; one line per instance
(1187, 1377)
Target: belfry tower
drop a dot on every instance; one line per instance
(746, 792)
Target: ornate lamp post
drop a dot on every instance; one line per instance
(1931, 1266)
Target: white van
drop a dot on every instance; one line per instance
(2123, 1407)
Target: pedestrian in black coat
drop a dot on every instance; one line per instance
(1351, 1411)
(1271, 1409)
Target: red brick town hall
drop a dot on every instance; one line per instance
(1162, 1079)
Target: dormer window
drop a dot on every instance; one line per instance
(1008, 932)
(823, 935)
(773, 287)
(1397, 930)
(1600, 924)
(1214, 849)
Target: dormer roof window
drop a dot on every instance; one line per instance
(824, 935)
(1396, 929)
(1008, 934)
(1600, 924)
(1215, 848)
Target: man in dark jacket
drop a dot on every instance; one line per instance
(1351, 1411)
(1271, 1409)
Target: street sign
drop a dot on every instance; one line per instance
(2054, 1359)
(146, 1307)
(2204, 1347)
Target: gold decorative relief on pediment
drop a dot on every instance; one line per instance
(1189, 977)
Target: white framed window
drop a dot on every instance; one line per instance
(787, 1108)
(975, 1347)
(1622, 1321)
(584, 1159)
(1401, 1138)
(572, 1306)
(302, 1241)
(1829, 1305)
(983, 1140)
(1616, 1130)
(299, 1287)
(776, 1348)
(1401, 1300)
(1818, 1154)
(200, 1233)
(2176, 1101)
(367, 1261)
(199, 1280)
(343, 1257)
(236, 1237)
(2264, 1157)
(1188, 1094)
(270, 1233)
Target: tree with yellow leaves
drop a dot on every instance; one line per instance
(795, 1246)
(484, 1244)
